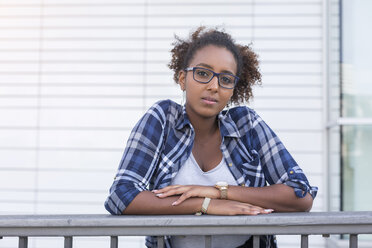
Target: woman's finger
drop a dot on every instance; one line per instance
(166, 188)
(170, 192)
(183, 197)
(255, 210)
(167, 193)
(228, 207)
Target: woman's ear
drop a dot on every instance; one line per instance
(182, 79)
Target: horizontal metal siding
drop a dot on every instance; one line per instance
(75, 76)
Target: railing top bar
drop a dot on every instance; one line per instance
(274, 219)
(106, 225)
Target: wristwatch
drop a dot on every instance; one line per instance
(222, 187)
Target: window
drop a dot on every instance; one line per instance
(356, 105)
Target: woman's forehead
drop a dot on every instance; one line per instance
(215, 57)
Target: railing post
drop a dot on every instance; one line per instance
(208, 241)
(353, 241)
(114, 242)
(304, 241)
(22, 242)
(160, 241)
(68, 242)
(256, 241)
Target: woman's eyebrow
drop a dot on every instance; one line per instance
(205, 65)
(210, 67)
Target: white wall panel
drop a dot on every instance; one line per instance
(10, 159)
(10, 180)
(94, 11)
(297, 103)
(310, 163)
(17, 207)
(17, 117)
(87, 79)
(297, 120)
(17, 138)
(291, 56)
(286, 44)
(15, 196)
(89, 117)
(93, 102)
(281, 90)
(16, 67)
(9, 22)
(75, 77)
(81, 180)
(6, 44)
(80, 139)
(60, 160)
(94, 44)
(288, 68)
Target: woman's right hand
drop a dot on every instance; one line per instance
(228, 207)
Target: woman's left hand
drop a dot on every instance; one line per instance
(187, 191)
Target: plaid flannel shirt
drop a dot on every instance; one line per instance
(162, 141)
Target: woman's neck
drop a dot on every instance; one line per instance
(203, 127)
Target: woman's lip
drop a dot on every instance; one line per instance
(209, 100)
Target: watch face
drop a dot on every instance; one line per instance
(222, 184)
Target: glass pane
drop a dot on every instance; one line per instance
(356, 58)
(334, 169)
(356, 168)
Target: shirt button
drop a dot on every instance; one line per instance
(291, 172)
(230, 164)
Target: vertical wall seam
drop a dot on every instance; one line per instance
(325, 115)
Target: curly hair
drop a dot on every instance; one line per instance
(247, 61)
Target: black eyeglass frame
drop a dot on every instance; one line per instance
(236, 79)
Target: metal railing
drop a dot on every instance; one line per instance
(304, 224)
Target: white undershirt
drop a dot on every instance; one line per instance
(191, 174)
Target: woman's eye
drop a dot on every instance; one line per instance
(227, 80)
(202, 73)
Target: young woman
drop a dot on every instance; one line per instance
(202, 158)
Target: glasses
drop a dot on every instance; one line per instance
(204, 76)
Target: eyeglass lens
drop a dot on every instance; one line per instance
(204, 76)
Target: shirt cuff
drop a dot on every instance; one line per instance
(121, 197)
(301, 188)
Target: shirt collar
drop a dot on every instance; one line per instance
(228, 127)
(183, 119)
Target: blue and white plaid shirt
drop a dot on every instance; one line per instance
(163, 138)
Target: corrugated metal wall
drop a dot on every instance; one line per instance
(75, 76)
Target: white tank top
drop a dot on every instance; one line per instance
(191, 174)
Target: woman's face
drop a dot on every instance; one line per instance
(207, 100)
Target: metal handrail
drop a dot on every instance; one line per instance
(304, 224)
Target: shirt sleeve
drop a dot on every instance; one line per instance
(278, 165)
(139, 159)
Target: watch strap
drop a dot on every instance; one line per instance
(223, 192)
(205, 205)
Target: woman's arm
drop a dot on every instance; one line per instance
(140, 158)
(279, 197)
(147, 202)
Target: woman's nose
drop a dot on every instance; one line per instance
(213, 84)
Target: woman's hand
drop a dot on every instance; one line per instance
(228, 207)
(187, 191)
(216, 206)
